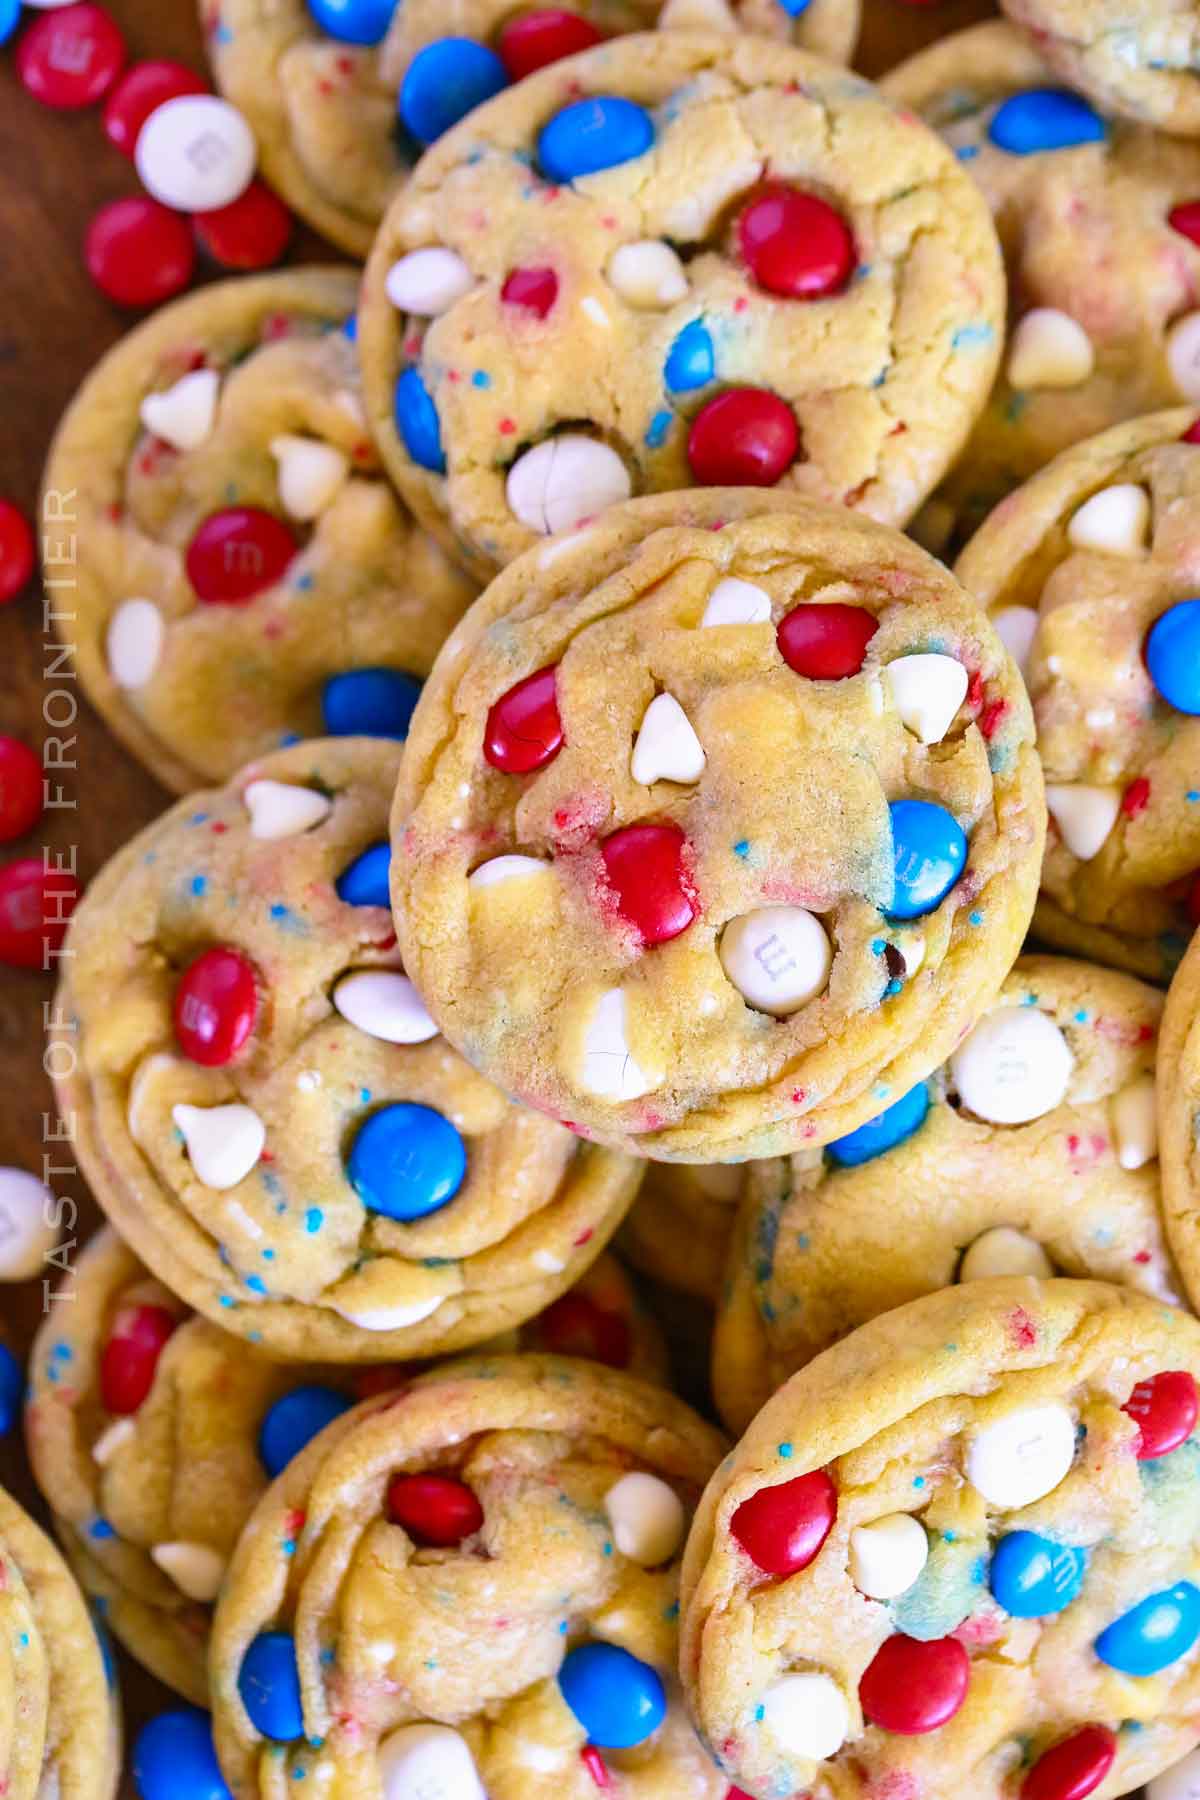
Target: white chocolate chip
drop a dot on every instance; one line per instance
(133, 643)
(1085, 815)
(27, 1230)
(196, 1570)
(311, 474)
(223, 1142)
(1016, 627)
(385, 1005)
(281, 809)
(807, 1715)
(927, 691)
(734, 602)
(887, 1555)
(1014, 1066)
(389, 1318)
(427, 1762)
(667, 748)
(428, 282)
(595, 312)
(183, 416)
(647, 1519)
(547, 1262)
(1180, 1782)
(912, 951)
(777, 957)
(564, 481)
(1116, 519)
(647, 274)
(1004, 1251)
(697, 15)
(506, 868)
(1183, 355)
(111, 1439)
(609, 1069)
(1049, 349)
(1022, 1456)
(1135, 1123)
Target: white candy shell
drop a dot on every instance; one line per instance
(777, 957)
(428, 1762)
(428, 282)
(1013, 1067)
(1135, 1123)
(28, 1231)
(1022, 1456)
(134, 642)
(195, 153)
(506, 868)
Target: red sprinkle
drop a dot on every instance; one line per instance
(826, 643)
(1136, 797)
(139, 253)
(436, 1510)
(70, 58)
(745, 437)
(782, 1528)
(911, 1687)
(216, 1005)
(990, 717)
(575, 1326)
(1192, 434)
(595, 1765)
(524, 730)
(36, 904)
(1186, 220)
(1164, 1408)
(237, 554)
(252, 232)
(534, 290)
(534, 39)
(142, 90)
(131, 1356)
(644, 866)
(1073, 1768)
(20, 789)
(16, 551)
(796, 244)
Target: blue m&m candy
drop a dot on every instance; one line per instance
(595, 134)
(1154, 1634)
(407, 1161)
(899, 1121)
(174, 1759)
(929, 848)
(269, 1684)
(1173, 655)
(354, 21)
(1032, 1577)
(10, 18)
(445, 81)
(617, 1699)
(364, 882)
(691, 361)
(294, 1421)
(369, 703)
(1045, 119)
(12, 1387)
(418, 423)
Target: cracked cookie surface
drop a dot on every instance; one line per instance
(1138, 57)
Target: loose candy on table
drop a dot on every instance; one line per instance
(141, 90)
(1032, 1577)
(1164, 1408)
(795, 244)
(29, 1226)
(881, 1134)
(1014, 1066)
(826, 642)
(930, 853)
(1154, 1634)
(427, 1762)
(70, 58)
(435, 1510)
(174, 1758)
(294, 1421)
(777, 957)
(196, 153)
(36, 904)
(407, 1161)
(444, 82)
(532, 40)
(130, 1357)
(20, 788)
(238, 553)
(644, 867)
(369, 703)
(17, 554)
(744, 437)
(1073, 1768)
(216, 1006)
(223, 1142)
(1173, 655)
(912, 1686)
(269, 1684)
(139, 253)
(589, 136)
(618, 1699)
(251, 232)
(12, 1390)
(782, 1527)
(1023, 1455)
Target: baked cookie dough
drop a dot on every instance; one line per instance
(718, 824)
(958, 1555)
(153, 1435)
(344, 97)
(263, 1107)
(242, 574)
(60, 1726)
(1087, 573)
(1137, 57)
(1099, 229)
(678, 260)
(1178, 1116)
(1032, 1151)
(679, 1227)
(471, 1588)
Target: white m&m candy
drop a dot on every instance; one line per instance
(565, 481)
(1085, 815)
(281, 809)
(667, 748)
(927, 691)
(647, 1518)
(195, 153)
(1014, 1066)
(1049, 349)
(734, 602)
(1022, 1456)
(428, 1762)
(1180, 1782)
(777, 957)
(506, 868)
(807, 1715)
(134, 641)
(223, 1142)
(183, 415)
(27, 1228)
(887, 1555)
(428, 282)
(385, 1005)
(1116, 519)
(1004, 1251)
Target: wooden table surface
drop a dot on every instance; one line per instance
(53, 326)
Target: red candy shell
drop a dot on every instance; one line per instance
(139, 253)
(36, 904)
(140, 91)
(70, 58)
(826, 643)
(745, 437)
(523, 730)
(238, 553)
(1164, 1407)
(644, 865)
(16, 551)
(534, 290)
(252, 232)
(911, 1687)
(533, 39)
(782, 1528)
(575, 1326)
(216, 1004)
(433, 1509)
(1192, 434)
(131, 1356)
(1074, 1768)
(795, 244)
(20, 789)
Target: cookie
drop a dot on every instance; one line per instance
(957, 1554)
(1032, 1151)
(1178, 1111)
(718, 823)
(676, 260)
(1138, 59)
(262, 1104)
(153, 1435)
(474, 1588)
(240, 572)
(60, 1727)
(1099, 230)
(343, 98)
(1084, 572)
(679, 1227)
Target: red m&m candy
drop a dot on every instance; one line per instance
(20, 788)
(1164, 1407)
(523, 730)
(139, 253)
(911, 1687)
(1074, 1768)
(1185, 219)
(795, 244)
(644, 865)
(252, 232)
(36, 904)
(826, 643)
(533, 39)
(140, 91)
(745, 437)
(1192, 434)
(534, 289)
(70, 57)
(16, 551)
(216, 1004)
(238, 553)
(131, 1356)
(575, 1326)
(782, 1528)
(435, 1510)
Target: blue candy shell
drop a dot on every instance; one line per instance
(294, 1421)
(369, 703)
(617, 1699)
(12, 1389)
(900, 1120)
(929, 849)
(407, 1161)
(1154, 1634)
(1173, 655)
(445, 81)
(364, 882)
(591, 135)
(174, 1759)
(1045, 119)
(354, 21)
(10, 18)
(794, 8)
(691, 361)
(1032, 1577)
(269, 1684)
(418, 423)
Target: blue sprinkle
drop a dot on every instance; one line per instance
(227, 1300)
(760, 1713)
(199, 884)
(314, 1218)
(100, 1529)
(975, 918)
(918, 1481)
(967, 152)
(742, 848)
(481, 379)
(794, 8)
(1193, 794)
(1081, 1016)
(969, 337)
(785, 1450)
(658, 428)
(350, 328)
(303, 584)
(200, 818)
(1045, 119)
(256, 1284)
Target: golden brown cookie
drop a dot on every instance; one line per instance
(1178, 1113)
(1137, 57)
(679, 1227)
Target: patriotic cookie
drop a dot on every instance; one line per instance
(242, 573)
(719, 823)
(471, 1588)
(153, 1435)
(262, 1104)
(959, 1554)
(679, 1227)
(1100, 221)
(1178, 1116)
(1087, 573)
(1033, 1151)
(676, 260)
(1139, 59)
